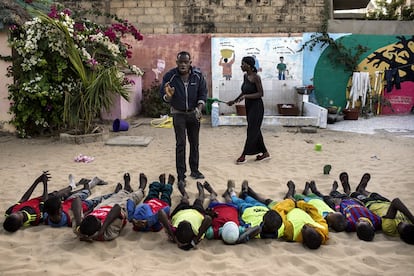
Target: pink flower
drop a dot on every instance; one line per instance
(110, 34)
(53, 12)
(128, 54)
(79, 26)
(92, 63)
(67, 12)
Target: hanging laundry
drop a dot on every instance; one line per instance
(360, 87)
(392, 77)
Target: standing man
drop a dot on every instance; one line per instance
(185, 89)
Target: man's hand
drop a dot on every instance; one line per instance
(198, 113)
(169, 91)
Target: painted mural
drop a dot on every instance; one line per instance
(269, 53)
(388, 64)
(388, 61)
(278, 62)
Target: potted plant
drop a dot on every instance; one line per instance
(70, 67)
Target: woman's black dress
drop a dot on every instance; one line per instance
(254, 112)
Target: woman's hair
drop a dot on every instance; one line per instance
(250, 61)
(89, 225)
(12, 223)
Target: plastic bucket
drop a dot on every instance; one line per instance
(120, 125)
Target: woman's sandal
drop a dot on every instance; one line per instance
(262, 157)
(241, 160)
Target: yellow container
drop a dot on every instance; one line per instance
(226, 53)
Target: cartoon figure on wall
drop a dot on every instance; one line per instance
(282, 69)
(226, 62)
(159, 65)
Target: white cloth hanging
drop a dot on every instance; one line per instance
(361, 85)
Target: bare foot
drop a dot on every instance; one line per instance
(209, 189)
(127, 182)
(143, 181)
(291, 186)
(200, 189)
(118, 187)
(162, 178)
(230, 188)
(334, 186)
(171, 179)
(306, 189)
(181, 188)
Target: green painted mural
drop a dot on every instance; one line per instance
(333, 81)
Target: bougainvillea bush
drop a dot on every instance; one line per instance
(66, 69)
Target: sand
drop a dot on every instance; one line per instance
(42, 250)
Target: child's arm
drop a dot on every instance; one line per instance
(205, 224)
(44, 177)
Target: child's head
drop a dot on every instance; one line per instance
(184, 232)
(336, 221)
(406, 231)
(53, 206)
(90, 225)
(364, 229)
(271, 223)
(13, 222)
(311, 238)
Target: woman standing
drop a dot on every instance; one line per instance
(252, 93)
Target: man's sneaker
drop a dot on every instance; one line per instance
(197, 175)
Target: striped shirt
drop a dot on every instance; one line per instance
(353, 210)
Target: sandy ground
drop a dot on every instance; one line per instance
(41, 250)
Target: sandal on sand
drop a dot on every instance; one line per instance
(262, 157)
(241, 160)
(363, 183)
(343, 177)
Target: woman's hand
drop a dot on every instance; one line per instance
(230, 103)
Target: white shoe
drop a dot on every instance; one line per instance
(72, 182)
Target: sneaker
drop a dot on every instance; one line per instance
(197, 175)
(262, 157)
(241, 160)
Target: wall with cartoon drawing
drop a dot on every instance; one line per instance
(227, 77)
(388, 61)
(219, 57)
